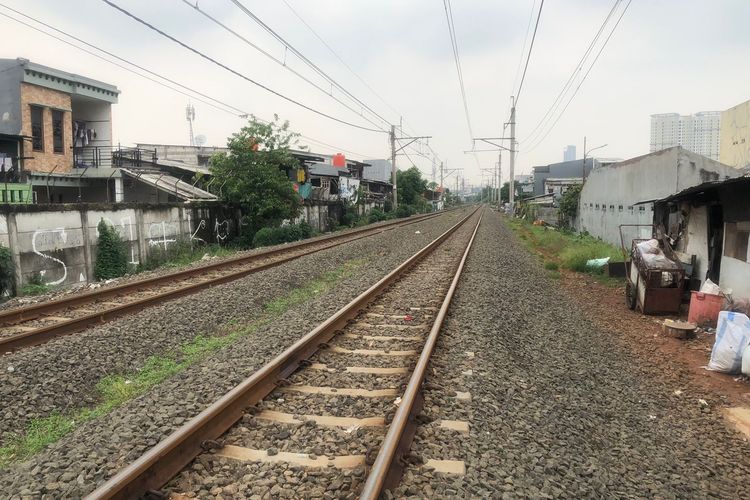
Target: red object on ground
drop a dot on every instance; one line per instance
(408, 317)
(704, 308)
(339, 160)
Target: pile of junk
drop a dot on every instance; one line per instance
(658, 281)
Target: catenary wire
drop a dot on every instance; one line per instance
(531, 48)
(235, 72)
(303, 58)
(579, 67)
(340, 59)
(582, 80)
(227, 108)
(279, 62)
(523, 47)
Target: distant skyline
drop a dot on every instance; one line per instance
(403, 51)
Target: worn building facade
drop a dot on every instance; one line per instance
(51, 123)
(624, 192)
(711, 223)
(735, 136)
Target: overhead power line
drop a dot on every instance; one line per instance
(304, 59)
(601, 49)
(189, 92)
(235, 72)
(558, 100)
(457, 59)
(340, 59)
(528, 56)
(523, 47)
(281, 63)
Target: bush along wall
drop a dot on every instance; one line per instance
(7, 273)
(111, 255)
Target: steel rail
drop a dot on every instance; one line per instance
(26, 313)
(387, 468)
(165, 460)
(46, 333)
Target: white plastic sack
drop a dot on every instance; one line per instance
(710, 287)
(653, 256)
(732, 337)
(746, 361)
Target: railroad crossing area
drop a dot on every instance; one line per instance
(431, 357)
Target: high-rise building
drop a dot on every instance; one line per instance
(569, 154)
(699, 133)
(735, 136)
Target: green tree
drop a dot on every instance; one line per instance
(569, 203)
(111, 256)
(254, 174)
(411, 187)
(505, 192)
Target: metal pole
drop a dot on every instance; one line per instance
(583, 168)
(511, 194)
(499, 177)
(393, 167)
(441, 174)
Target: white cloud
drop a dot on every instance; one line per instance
(682, 56)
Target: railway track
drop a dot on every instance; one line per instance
(336, 410)
(38, 323)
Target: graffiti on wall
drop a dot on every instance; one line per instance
(159, 237)
(126, 223)
(221, 229)
(51, 238)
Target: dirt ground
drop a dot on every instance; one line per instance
(683, 359)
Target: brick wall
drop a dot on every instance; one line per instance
(48, 99)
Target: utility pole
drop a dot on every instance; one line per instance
(511, 193)
(441, 174)
(499, 176)
(583, 168)
(393, 167)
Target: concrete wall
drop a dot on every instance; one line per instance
(59, 242)
(618, 189)
(735, 275)
(735, 136)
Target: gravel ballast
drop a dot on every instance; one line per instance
(557, 409)
(61, 375)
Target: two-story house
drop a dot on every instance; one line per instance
(53, 125)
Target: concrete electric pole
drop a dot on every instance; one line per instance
(511, 193)
(393, 167)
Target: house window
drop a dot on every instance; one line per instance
(37, 128)
(597, 206)
(612, 208)
(619, 208)
(736, 239)
(57, 131)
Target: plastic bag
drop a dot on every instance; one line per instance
(710, 287)
(732, 337)
(746, 361)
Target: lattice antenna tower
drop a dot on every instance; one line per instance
(190, 116)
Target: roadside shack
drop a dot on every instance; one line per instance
(711, 222)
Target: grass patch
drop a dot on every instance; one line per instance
(114, 390)
(181, 253)
(551, 266)
(563, 249)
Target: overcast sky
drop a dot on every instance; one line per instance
(665, 56)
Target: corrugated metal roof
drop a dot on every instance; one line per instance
(172, 185)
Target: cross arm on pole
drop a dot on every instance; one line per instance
(413, 139)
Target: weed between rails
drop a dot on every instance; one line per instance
(115, 390)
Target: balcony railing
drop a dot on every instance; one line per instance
(112, 157)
